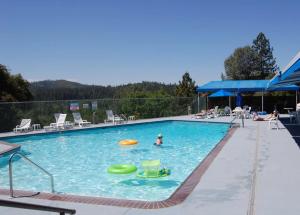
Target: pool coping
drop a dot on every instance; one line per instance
(178, 196)
(13, 148)
(43, 132)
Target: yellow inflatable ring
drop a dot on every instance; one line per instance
(128, 142)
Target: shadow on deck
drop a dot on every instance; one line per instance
(294, 129)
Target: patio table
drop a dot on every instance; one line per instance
(36, 126)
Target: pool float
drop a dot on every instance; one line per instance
(154, 174)
(128, 142)
(121, 168)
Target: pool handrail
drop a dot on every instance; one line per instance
(32, 163)
(234, 118)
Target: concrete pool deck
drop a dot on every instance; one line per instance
(256, 172)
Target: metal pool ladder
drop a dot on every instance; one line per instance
(234, 118)
(30, 162)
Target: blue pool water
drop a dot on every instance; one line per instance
(79, 160)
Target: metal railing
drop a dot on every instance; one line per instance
(236, 117)
(32, 163)
(29, 206)
(231, 122)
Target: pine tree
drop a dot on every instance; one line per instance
(251, 62)
(186, 87)
(266, 62)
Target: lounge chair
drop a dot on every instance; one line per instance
(79, 121)
(25, 125)
(213, 113)
(200, 115)
(247, 112)
(56, 115)
(59, 124)
(111, 117)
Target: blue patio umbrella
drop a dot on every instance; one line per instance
(222, 93)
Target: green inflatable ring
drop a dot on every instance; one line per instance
(121, 169)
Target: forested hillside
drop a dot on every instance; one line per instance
(67, 90)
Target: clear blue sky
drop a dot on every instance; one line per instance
(114, 42)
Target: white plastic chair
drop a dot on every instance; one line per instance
(247, 113)
(60, 123)
(112, 118)
(25, 125)
(216, 114)
(79, 121)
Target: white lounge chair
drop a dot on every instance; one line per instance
(56, 115)
(247, 112)
(25, 125)
(111, 117)
(79, 121)
(59, 124)
(213, 113)
(200, 115)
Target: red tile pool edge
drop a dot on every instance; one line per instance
(177, 197)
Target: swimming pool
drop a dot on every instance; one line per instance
(79, 160)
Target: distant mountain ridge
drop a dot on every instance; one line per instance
(68, 90)
(56, 84)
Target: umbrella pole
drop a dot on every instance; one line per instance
(262, 101)
(198, 103)
(229, 103)
(207, 103)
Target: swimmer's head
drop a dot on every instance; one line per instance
(159, 136)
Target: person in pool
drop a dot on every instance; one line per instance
(159, 140)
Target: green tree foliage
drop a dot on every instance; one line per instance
(13, 87)
(66, 90)
(186, 87)
(266, 62)
(253, 62)
(242, 64)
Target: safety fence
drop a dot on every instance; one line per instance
(42, 112)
